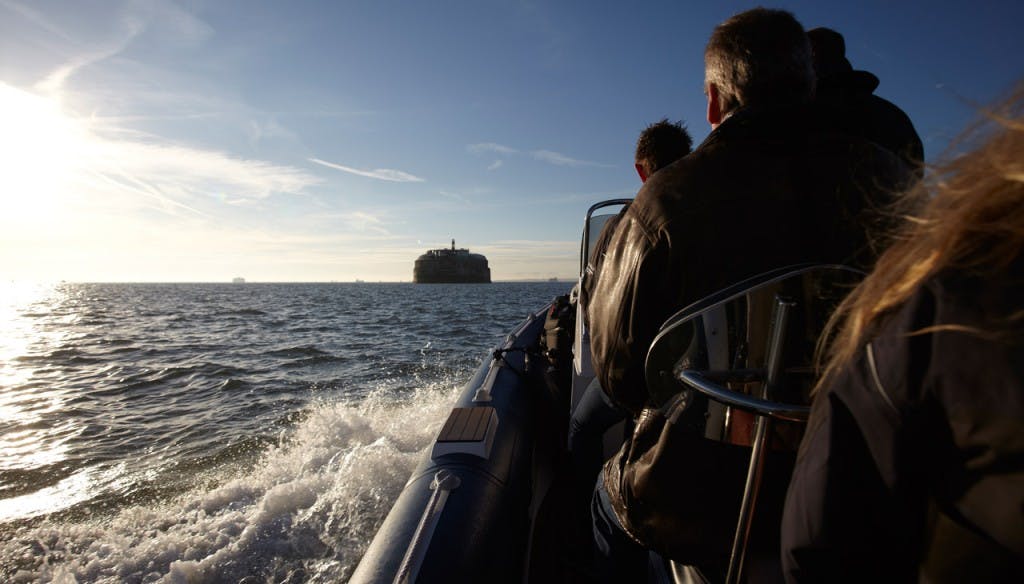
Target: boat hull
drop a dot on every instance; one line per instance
(465, 512)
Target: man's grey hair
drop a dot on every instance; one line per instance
(759, 57)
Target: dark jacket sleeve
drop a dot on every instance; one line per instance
(628, 305)
(835, 521)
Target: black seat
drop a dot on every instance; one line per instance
(742, 361)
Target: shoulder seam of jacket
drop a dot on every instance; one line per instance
(875, 377)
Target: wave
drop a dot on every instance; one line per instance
(304, 511)
(293, 352)
(191, 438)
(317, 360)
(244, 312)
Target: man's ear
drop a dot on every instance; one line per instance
(640, 170)
(714, 106)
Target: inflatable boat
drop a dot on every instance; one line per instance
(484, 503)
(489, 501)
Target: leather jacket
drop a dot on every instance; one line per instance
(768, 188)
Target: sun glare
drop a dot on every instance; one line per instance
(41, 148)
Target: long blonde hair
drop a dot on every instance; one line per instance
(967, 215)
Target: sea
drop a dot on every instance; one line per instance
(225, 432)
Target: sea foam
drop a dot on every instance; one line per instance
(305, 511)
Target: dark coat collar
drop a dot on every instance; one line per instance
(753, 122)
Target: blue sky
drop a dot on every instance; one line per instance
(317, 141)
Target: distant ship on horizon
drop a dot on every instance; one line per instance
(238, 280)
(451, 266)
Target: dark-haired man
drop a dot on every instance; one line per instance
(774, 184)
(659, 145)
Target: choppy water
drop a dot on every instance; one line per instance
(224, 433)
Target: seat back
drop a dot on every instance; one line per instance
(742, 362)
(726, 338)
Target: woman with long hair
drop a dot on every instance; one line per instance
(912, 466)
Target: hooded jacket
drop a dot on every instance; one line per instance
(850, 93)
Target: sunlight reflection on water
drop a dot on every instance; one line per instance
(223, 432)
(67, 492)
(25, 442)
(18, 333)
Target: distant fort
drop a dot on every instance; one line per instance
(451, 266)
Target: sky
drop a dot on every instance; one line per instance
(307, 141)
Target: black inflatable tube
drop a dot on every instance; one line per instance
(479, 529)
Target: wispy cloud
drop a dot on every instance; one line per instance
(56, 79)
(199, 170)
(116, 168)
(367, 224)
(387, 174)
(491, 147)
(178, 25)
(35, 17)
(179, 180)
(454, 196)
(559, 159)
(159, 17)
(548, 156)
(363, 222)
(261, 130)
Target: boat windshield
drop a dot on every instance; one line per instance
(597, 216)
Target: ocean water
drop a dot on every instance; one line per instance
(224, 433)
